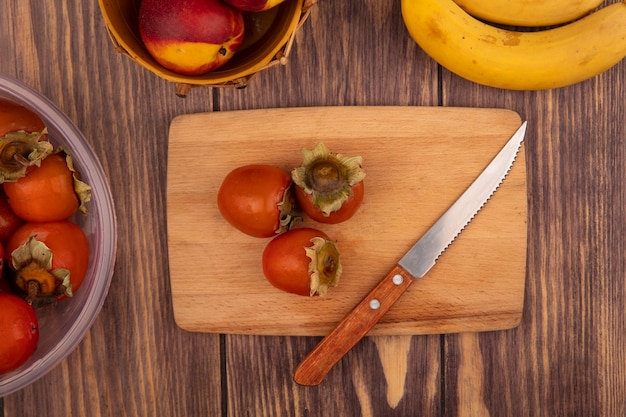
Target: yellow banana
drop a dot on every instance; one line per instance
(529, 12)
(517, 60)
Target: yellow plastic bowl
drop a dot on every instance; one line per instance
(121, 18)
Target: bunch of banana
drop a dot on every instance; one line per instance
(514, 60)
(529, 12)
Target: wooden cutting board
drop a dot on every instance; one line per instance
(418, 161)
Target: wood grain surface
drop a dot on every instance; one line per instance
(566, 358)
(418, 161)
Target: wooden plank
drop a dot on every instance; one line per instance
(567, 356)
(134, 361)
(348, 53)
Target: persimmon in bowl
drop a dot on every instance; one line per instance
(63, 325)
(267, 42)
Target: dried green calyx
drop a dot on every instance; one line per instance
(328, 177)
(19, 150)
(82, 189)
(32, 264)
(325, 266)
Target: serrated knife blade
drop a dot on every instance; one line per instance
(414, 264)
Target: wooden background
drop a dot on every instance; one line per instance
(567, 357)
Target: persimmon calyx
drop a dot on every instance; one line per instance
(289, 215)
(325, 267)
(82, 189)
(20, 150)
(32, 263)
(328, 177)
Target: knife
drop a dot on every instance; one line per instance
(414, 264)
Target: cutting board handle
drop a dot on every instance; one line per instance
(314, 368)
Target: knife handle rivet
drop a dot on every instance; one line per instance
(397, 279)
(374, 304)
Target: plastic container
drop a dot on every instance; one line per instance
(121, 18)
(64, 325)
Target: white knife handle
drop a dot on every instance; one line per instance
(352, 328)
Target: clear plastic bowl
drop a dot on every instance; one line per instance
(64, 325)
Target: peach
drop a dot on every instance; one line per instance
(190, 37)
